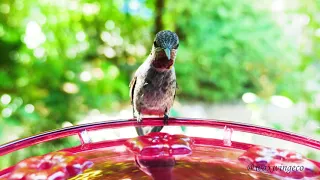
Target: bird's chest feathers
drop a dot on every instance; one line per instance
(158, 89)
(157, 85)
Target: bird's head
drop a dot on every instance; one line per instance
(165, 46)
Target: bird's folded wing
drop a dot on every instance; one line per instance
(175, 91)
(132, 85)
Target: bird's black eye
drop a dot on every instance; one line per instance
(176, 47)
(155, 44)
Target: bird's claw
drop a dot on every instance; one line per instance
(139, 119)
(165, 119)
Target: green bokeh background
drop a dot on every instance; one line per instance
(59, 59)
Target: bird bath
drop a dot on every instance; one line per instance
(165, 156)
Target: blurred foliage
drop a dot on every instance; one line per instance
(60, 59)
(237, 47)
(311, 53)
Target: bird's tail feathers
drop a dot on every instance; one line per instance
(156, 129)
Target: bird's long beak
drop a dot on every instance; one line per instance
(168, 53)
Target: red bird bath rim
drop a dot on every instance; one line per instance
(169, 156)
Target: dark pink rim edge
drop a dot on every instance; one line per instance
(76, 130)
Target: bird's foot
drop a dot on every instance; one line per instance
(165, 119)
(139, 129)
(139, 119)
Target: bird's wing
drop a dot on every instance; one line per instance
(132, 85)
(175, 91)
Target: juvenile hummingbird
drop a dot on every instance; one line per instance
(153, 87)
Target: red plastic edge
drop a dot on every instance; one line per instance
(74, 130)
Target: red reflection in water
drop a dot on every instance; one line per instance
(279, 162)
(53, 166)
(154, 152)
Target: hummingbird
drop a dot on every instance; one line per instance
(153, 86)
